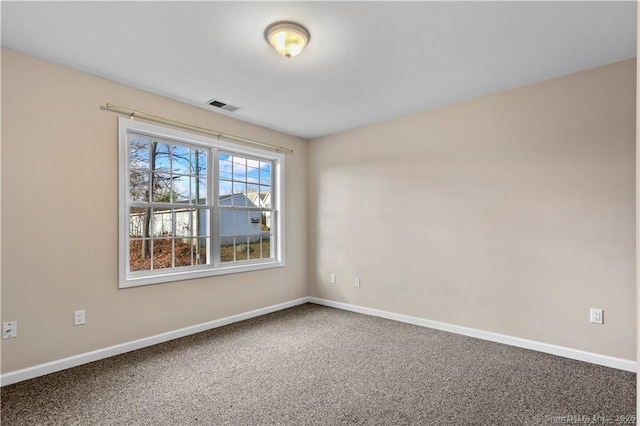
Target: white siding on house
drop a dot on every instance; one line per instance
(239, 223)
(247, 223)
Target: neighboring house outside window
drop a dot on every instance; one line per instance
(191, 206)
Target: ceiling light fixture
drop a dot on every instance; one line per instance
(288, 38)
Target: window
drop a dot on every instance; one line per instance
(191, 206)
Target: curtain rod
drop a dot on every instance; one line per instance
(151, 117)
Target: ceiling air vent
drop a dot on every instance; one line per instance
(216, 103)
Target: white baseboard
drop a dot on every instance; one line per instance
(73, 361)
(607, 361)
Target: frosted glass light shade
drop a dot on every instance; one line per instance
(287, 38)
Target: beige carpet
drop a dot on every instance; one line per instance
(317, 365)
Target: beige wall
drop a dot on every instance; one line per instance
(60, 211)
(511, 213)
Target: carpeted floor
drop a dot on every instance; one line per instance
(317, 365)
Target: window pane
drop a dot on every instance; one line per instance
(139, 185)
(161, 156)
(139, 255)
(242, 248)
(201, 223)
(191, 251)
(225, 187)
(255, 219)
(254, 248)
(162, 223)
(199, 162)
(181, 160)
(253, 171)
(181, 189)
(199, 190)
(161, 187)
(227, 225)
(138, 168)
(138, 152)
(239, 168)
(184, 251)
(138, 222)
(225, 168)
(265, 173)
(256, 233)
(201, 254)
(227, 249)
(242, 222)
(239, 191)
(267, 218)
(266, 246)
(184, 219)
(250, 197)
(162, 253)
(265, 196)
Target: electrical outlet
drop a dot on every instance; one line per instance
(9, 329)
(333, 278)
(597, 316)
(78, 317)
(357, 282)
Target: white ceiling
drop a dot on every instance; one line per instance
(366, 61)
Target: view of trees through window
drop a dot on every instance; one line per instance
(170, 206)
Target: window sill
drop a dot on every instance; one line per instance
(164, 277)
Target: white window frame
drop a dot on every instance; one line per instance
(214, 266)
